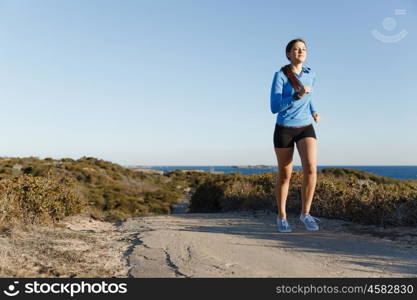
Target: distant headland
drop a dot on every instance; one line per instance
(253, 167)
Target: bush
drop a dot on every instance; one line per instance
(110, 190)
(207, 197)
(340, 193)
(30, 200)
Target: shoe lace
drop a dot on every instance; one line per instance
(284, 223)
(310, 219)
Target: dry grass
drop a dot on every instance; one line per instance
(78, 247)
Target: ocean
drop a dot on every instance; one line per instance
(396, 172)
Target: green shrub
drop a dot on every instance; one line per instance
(32, 200)
(110, 190)
(340, 193)
(207, 197)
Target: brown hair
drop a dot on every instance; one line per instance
(296, 84)
(291, 44)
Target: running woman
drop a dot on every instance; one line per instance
(291, 98)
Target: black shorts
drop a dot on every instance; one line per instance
(284, 137)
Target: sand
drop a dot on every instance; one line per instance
(247, 245)
(220, 245)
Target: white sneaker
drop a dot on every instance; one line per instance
(309, 222)
(283, 225)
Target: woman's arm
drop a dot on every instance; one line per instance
(313, 111)
(312, 108)
(279, 103)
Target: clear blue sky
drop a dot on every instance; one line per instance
(187, 82)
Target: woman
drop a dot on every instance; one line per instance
(291, 98)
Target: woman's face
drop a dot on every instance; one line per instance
(298, 53)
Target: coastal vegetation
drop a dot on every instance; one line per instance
(34, 190)
(340, 193)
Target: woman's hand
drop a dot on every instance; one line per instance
(304, 90)
(316, 117)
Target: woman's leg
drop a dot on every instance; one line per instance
(307, 148)
(284, 157)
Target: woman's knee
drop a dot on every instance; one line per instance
(310, 169)
(284, 173)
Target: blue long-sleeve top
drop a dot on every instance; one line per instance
(292, 112)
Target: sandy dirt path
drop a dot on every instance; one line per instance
(248, 245)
